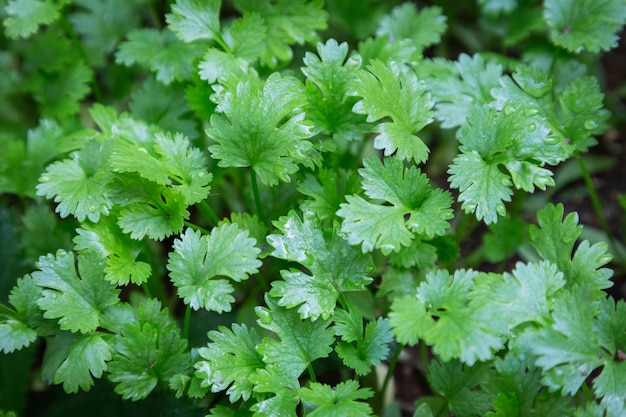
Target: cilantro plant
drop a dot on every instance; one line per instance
(263, 208)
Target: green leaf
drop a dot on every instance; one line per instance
(459, 86)
(554, 240)
(567, 350)
(161, 52)
(442, 316)
(300, 342)
(229, 360)
(147, 351)
(192, 19)
(287, 22)
(424, 28)
(285, 387)
(76, 295)
(334, 267)
(416, 207)
(371, 346)
(391, 91)
(176, 164)
(25, 16)
(328, 79)
(197, 260)
(338, 401)
(73, 359)
(121, 252)
(79, 184)
(326, 191)
(16, 330)
(585, 25)
(261, 125)
(460, 385)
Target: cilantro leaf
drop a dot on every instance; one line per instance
(261, 125)
(585, 25)
(442, 316)
(328, 79)
(338, 401)
(554, 239)
(147, 351)
(77, 297)
(371, 346)
(162, 52)
(73, 359)
(229, 359)
(25, 16)
(460, 385)
(567, 350)
(193, 19)
(284, 386)
(335, 267)
(16, 329)
(176, 164)
(300, 341)
(385, 227)
(79, 184)
(326, 191)
(424, 28)
(457, 87)
(121, 252)
(393, 91)
(197, 260)
(287, 22)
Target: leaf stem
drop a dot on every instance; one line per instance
(311, 373)
(196, 227)
(146, 290)
(392, 367)
(6, 310)
(257, 196)
(208, 212)
(186, 322)
(595, 199)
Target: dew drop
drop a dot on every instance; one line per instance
(92, 208)
(532, 127)
(508, 109)
(530, 112)
(590, 124)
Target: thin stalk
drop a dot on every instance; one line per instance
(208, 212)
(146, 290)
(186, 322)
(392, 367)
(6, 310)
(257, 196)
(424, 357)
(196, 227)
(595, 199)
(311, 373)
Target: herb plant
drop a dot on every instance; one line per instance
(258, 208)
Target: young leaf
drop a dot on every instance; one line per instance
(229, 360)
(79, 184)
(197, 260)
(416, 208)
(371, 347)
(424, 28)
(73, 359)
(335, 267)
(193, 19)
(261, 125)
(78, 298)
(338, 401)
(147, 351)
(585, 25)
(16, 330)
(25, 16)
(301, 342)
(162, 52)
(393, 92)
(273, 380)
(121, 252)
(555, 238)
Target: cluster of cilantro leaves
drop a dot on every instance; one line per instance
(223, 159)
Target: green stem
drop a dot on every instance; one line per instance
(196, 227)
(146, 290)
(424, 357)
(6, 310)
(311, 373)
(257, 196)
(392, 367)
(186, 322)
(208, 212)
(595, 199)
